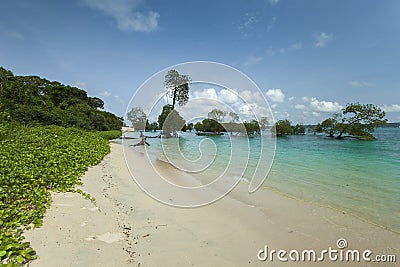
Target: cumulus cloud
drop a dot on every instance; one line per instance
(322, 38)
(292, 98)
(324, 106)
(228, 97)
(209, 93)
(299, 106)
(275, 95)
(126, 14)
(360, 84)
(391, 108)
(246, 103)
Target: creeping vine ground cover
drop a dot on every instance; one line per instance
(33, 162)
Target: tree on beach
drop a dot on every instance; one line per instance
(357, 121)
(138, 118)
(178, 84)
(170, 122)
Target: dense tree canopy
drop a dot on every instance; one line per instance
(170, 122)
(33, 100)
(282, 127)
(178, 84)
(138, 118)
(357, 120)
(217, 115)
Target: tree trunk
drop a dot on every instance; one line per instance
(174, 97)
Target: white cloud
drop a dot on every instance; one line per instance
(275, 95)
(105, 93)
(360, 84)
(322, 38)
(126, 13)
(209, 93)
(391, 108)
(246, 103)
(305, 99)
(274, 2)
(282, 50)
(274, 105)
(324, 106)
(228, 97)
(299, 106)
(292, 98)
(81, 84)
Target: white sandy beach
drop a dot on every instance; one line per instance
(126, 227)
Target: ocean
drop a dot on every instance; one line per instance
(361, 178)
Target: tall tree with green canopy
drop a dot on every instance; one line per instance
(170, 121)
(138, 118)
(178, 84)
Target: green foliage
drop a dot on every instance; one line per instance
(217, 115)
(172, 123)
(178, 84)
(138, 118)
(234, 116)
(151, 126)
(264, 123)
(209, 125)
(188, 127)
(282, 127)
(110, 135)
(252, 127)
(357, 120)
(299, 129)
(31, 100)
(164, 113)
(33, 162)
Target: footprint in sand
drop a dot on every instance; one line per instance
(107, 237)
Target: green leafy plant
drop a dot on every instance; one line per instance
(33, 162)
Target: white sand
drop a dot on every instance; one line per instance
(128, 228)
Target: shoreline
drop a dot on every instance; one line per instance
(363, 217)
(127, 227)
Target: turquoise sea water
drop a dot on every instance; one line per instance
(359, 177)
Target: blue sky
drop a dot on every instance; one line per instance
(309, 58)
